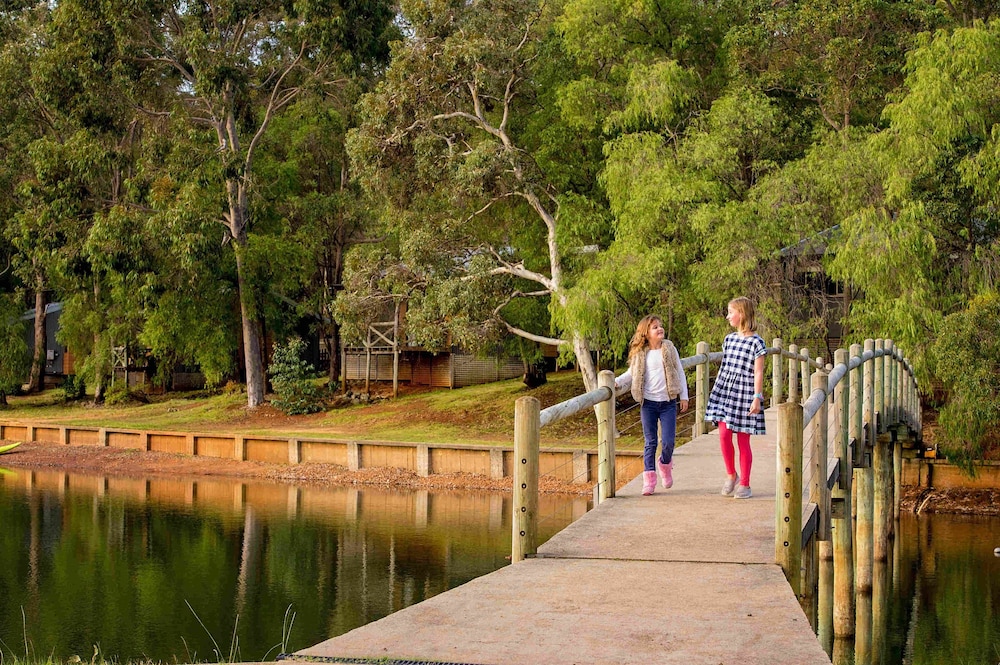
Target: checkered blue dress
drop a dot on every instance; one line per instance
(732, 394)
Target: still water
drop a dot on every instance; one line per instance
(198, 569)
(188, 570)
(937, 601)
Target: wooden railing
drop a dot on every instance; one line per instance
(870, 392)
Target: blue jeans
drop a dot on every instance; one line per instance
(666, 414)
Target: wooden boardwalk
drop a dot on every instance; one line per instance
(685, 576)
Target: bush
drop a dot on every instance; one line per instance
(967, 355)
(292, 379)
(119, 394)
(74, 387)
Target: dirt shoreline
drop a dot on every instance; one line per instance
(128, 462)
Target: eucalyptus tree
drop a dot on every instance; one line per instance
(488, 195)
(237, 66)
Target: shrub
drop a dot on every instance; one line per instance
(292, 379)
(967, 355)
(74, 387)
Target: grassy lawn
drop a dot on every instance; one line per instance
(473, 415)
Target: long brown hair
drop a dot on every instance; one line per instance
(640, 340)
(748, 319)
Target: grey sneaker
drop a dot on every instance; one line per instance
(730, 485)
(742, 492)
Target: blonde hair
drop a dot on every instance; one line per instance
(640, 340)
(748, 320)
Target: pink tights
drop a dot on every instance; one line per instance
(729, 455)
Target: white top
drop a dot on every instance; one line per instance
(656, 378)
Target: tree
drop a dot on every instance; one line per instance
(14, 356)
(931, 241)
(237, 66)
(481, 210)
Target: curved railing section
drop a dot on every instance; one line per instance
(833, 418)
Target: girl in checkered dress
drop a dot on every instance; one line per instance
(737, 399)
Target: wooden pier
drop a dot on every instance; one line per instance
(685, 575)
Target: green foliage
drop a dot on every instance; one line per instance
(967, 358)
(73, 387)
(14, 355)
(295, 391)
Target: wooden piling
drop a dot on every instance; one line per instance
(788, 535)
(826, 595)
(882, 508)
(527, 426)
(843, 541)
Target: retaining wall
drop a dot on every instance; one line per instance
(941, 474)
(424, 459)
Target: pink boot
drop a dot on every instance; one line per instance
(666, 473)
(648, 482)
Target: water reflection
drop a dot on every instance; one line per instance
(127, 563)
(936, 601)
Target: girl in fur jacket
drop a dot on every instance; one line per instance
(659, 386)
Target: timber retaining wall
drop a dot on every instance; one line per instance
(424, 459)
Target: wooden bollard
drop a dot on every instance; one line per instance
(788, 535)
(777, 363)
(527, 426)
(701, 391)
(843, 540)
(606, 438)
(793, 374)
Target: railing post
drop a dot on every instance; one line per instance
(527, 426)
(793, 374)
(879, 388)
(805, 371)
(893, 376)
(606, 438)
(866, 490)
(776, 374)
(819, 492)
(788, 536)
(890, 376)
(856, 409)
(702, 374)
(843, 541)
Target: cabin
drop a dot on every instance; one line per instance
(387, 354)
(59, 361)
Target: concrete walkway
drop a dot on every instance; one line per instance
(685, 576)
